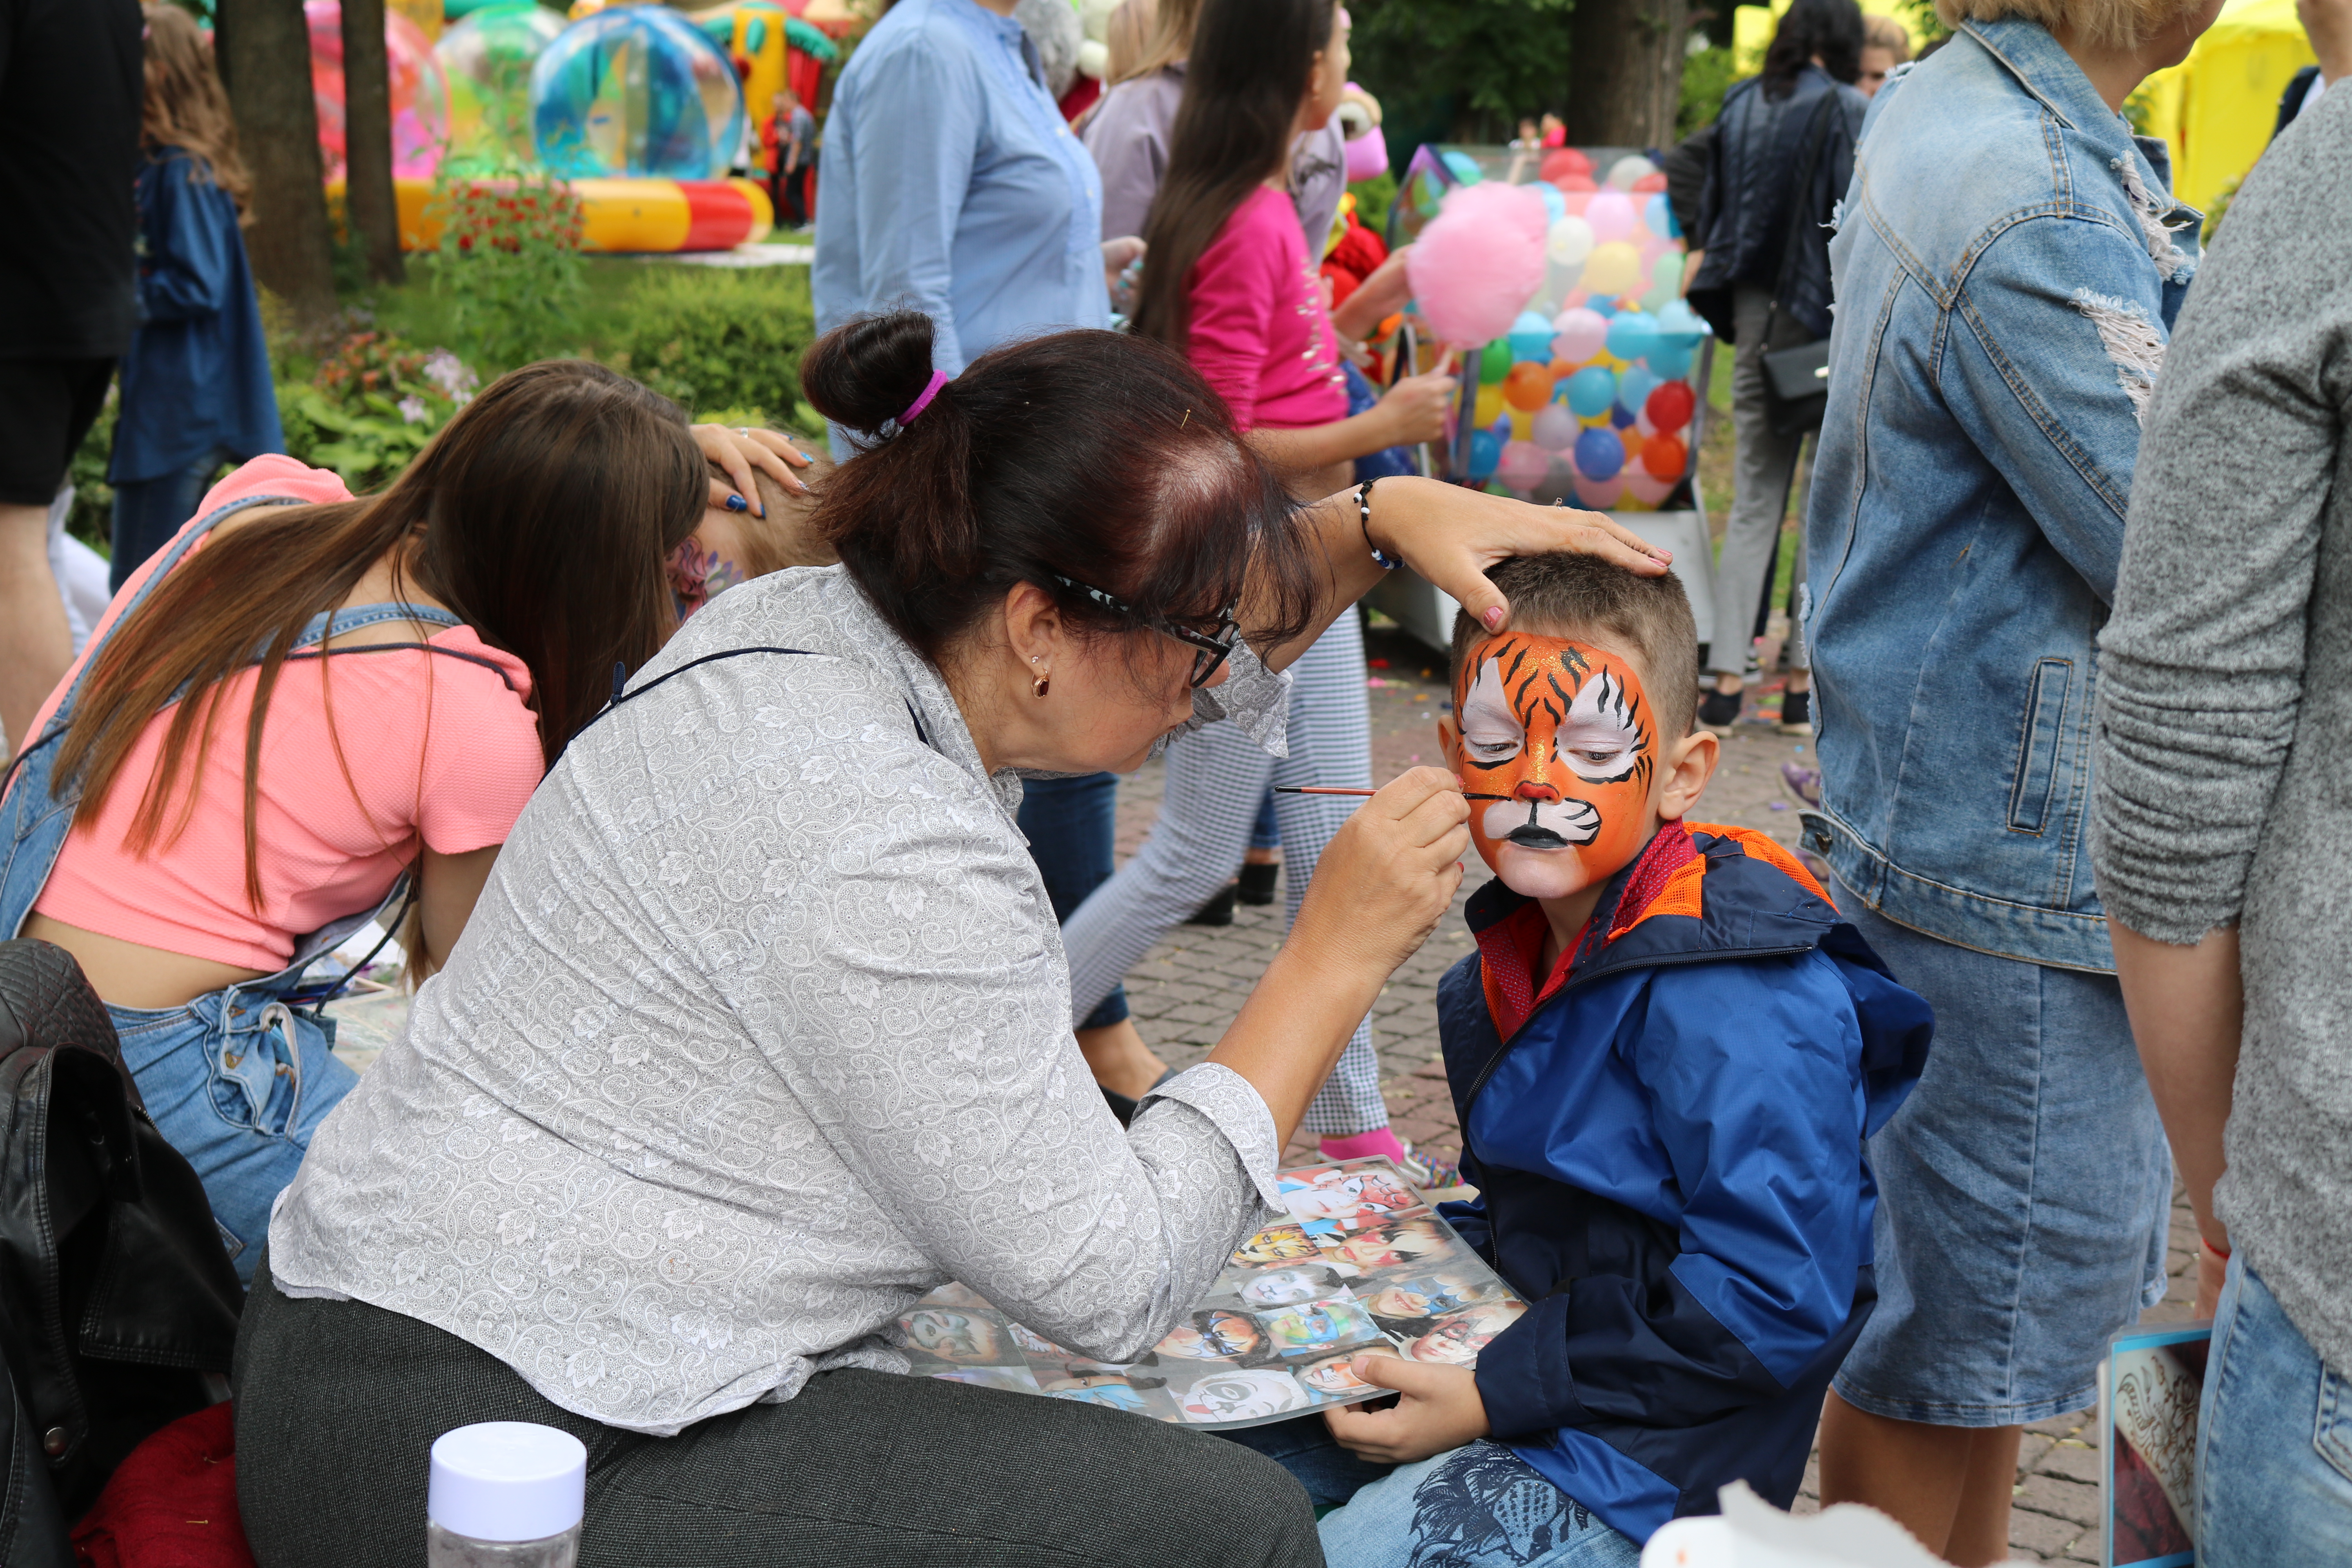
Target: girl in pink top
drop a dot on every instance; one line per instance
(222, 788)
(1228, 281)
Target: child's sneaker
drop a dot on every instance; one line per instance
(1429, 1172)
(1797, 713)
(1804, 783)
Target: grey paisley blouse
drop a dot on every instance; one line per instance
(759, 1032)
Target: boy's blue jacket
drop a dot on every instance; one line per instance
(1669, 1157)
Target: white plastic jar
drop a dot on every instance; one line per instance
(505, 1494)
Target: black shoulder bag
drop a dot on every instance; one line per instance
(1797, 378)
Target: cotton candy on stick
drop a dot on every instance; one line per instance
(1479, 261)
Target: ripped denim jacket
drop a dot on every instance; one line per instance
(2008, 266)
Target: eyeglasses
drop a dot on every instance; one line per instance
(1211, 647)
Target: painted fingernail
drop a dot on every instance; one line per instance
(1493, 617)
(737, 503)
(806, 458)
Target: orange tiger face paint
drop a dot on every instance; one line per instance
(1557, 750)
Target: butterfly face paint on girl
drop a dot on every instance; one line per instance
(1557, 750)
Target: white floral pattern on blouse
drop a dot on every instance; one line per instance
(760, 1031)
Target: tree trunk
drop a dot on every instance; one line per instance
(266, 61)
(368, 206)
(1625, 71)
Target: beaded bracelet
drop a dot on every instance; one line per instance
(1364, 514)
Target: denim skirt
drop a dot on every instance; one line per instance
(2024, 1193)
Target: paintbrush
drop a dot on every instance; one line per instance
(1317, 789)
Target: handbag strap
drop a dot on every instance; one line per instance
(1817, 131)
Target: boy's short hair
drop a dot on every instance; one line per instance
(1885, 33)
(2118, 24)
(1567, 595)
(784, 538)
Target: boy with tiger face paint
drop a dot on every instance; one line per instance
(1559, 751)
(1666, 1055)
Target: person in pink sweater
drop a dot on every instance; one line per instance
(1228, 281)
(221, 789)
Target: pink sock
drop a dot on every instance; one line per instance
(1378, 1141)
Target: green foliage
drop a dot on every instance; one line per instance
(372, 407)
(2214, 214)
(91, 520)
(508, 266)
(1707, 77)
(1489, 61)
(713, 337)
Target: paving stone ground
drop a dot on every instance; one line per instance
(1189, 988)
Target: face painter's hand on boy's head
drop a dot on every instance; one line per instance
(737, 452)
(1439, 1409)
(1557, 744)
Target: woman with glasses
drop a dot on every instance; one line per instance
(760, 1031)
(1228, 283)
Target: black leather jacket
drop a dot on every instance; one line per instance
(1746, 209)
(116, 1296)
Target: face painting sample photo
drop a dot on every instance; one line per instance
(1218, 1334)
(1337, 1374)
(960, 1336)
(1430, 1296)
(1276, 1244)
(1288, 1286)
(1456, 1340)
(1331, 1198)
(1318, 1325)
(1411, 1243)
(1557, 750)
(1243, 1393)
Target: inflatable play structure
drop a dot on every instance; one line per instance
(639, 108)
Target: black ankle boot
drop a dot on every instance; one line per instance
(1217, 912)
(1258, 882)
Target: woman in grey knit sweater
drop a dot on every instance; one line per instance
(2222, 843)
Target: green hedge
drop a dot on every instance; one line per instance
(714, 338)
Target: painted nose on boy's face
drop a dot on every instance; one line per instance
(1536, 789)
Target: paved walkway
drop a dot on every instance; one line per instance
(1188, 990)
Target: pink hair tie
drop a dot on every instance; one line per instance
(939, 379)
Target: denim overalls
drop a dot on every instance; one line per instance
(237, 1080)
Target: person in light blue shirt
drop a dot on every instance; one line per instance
(951, 185)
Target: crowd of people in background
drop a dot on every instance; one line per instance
(2065, 625)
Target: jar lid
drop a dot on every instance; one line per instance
(506, 1480)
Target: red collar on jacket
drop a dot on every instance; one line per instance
(1512, 946)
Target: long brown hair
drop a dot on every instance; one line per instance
(184, 107)
(1251, 64)
(540, 516)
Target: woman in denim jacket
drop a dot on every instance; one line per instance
(2008, 266)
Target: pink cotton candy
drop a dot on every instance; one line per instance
(1479, 261)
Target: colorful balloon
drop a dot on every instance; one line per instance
(1644, 492)
(1626, 171)
(1634, 384)
(1671, 405)
(1555, 430)
(1521, 464)
(1670, 359)
(1569, 242)
(1530, 338)
(1591, 390)
(1632, 334)
(1489, 407)
(1666, 457)
(1485, 451)
(1577, 334)
(637, 89)
(1610, 213)
(1612, 269)
(1598, 495)
(1529, 384)
(1658, 214)
(1598, 454)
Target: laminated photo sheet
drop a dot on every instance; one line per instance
(2149, 1387)
(1362, 1266)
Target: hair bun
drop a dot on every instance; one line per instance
(865, 372)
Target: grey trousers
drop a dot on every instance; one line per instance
(338, 1403)
(1761, 466)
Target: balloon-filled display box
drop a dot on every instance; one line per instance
(1566, 264)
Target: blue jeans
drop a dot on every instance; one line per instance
(1265, 832)
(2023, 1193)
(1072, 826)
(148, 513)
(2273, 1441)
(238, 1082)
(1477, 1507)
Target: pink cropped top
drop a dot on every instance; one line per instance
(440, 753)
(1259, 331)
